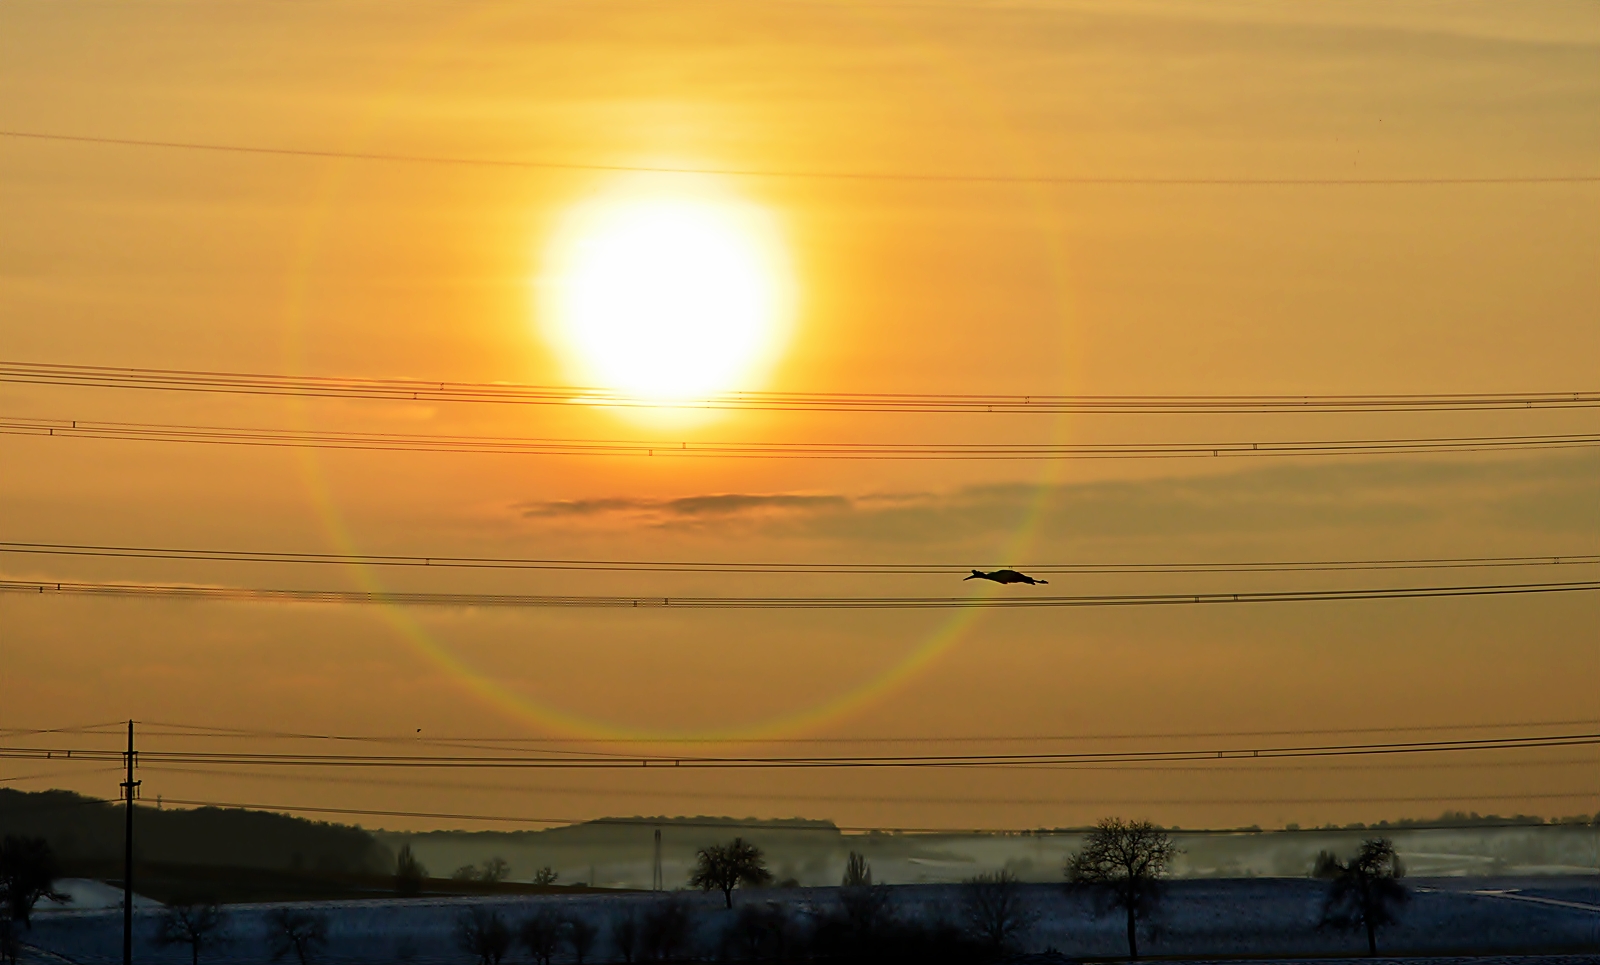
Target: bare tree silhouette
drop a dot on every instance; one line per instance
(483, 934)
(760, 931)
(1122, 864)
(491, 870)
(408, 872)
(664, 933)
(28, 873)
(625, 934)
(495, 869)
(867, 909)
(580, 934)
(541, 934)
(866, 906)
(1365, 892)
(545, 876)
(727, 866)
(10, 944)
(200, 925)
(857, 872)
(305, 933)
(997, 912)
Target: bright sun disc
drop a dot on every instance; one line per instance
(666, 296)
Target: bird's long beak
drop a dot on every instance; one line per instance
(975, 575)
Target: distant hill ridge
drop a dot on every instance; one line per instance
(644, 823)
(85, 830)
(261, 855)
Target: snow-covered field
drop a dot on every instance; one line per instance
(86, 894)
(1216, 918)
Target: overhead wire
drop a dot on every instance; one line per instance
(931, 177)
(544, 788)
(705, 566)
(177, 591)
(161, 761)
(511, 445)
(691, 761)
(209, 731)
(800, 826)
(418, 390)
(55, 775)
(820, 402)
(77, 729)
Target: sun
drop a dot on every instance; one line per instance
(667, 296)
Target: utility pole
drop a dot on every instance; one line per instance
(129, 786)
(655, 874)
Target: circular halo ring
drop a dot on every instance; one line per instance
(544, 715)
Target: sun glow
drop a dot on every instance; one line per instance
(667, 296)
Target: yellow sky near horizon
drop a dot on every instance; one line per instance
(190, 259)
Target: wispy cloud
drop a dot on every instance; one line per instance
(1537, 497)
(711, 505)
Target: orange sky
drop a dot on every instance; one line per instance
(137, 256)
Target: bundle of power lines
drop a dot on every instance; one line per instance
(409, 754)
(432, 392)
(533, 755)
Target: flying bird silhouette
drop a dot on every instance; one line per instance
(1004, 576)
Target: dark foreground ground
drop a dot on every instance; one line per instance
(1531, 921)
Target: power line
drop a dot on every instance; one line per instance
(207, 731)
(55, 775)
(417, 390)
(543, 787)
(509, 445)
(855, 569)
(829, 827)
(598, 761)
(210, 731)
(797, 173)
(78, 729)
(523, 600)
(804, 826)
(826, 827)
